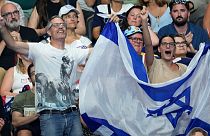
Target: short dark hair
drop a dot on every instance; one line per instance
(29, 69)
(160, 40)
(180, 35)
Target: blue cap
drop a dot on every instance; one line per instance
(132, 30)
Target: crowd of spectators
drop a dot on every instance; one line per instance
(167, 33)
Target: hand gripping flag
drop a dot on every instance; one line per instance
(116, 97)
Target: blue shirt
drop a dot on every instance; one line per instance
(199, 34)
(163, 20)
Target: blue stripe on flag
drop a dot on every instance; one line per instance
(137, 62)
(163, 93)
(173, 116)
(173, 109)
(110, 32)
(94, 123)
(197, 123)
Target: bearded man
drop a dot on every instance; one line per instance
(11, 15)
(180, 13)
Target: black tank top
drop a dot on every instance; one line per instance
(71, 2)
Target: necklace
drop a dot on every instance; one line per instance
(157, 16)
(158, 20)
(155, 11)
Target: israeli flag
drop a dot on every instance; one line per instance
(116, 97)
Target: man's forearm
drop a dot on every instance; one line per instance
(19, 47)
(19, 121)
(8, 39)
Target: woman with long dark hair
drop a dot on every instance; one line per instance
(45, 9)
(133, 18)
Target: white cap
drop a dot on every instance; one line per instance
(66, 9)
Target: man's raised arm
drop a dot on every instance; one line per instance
(19, 47)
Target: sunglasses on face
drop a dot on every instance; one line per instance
(58, 25)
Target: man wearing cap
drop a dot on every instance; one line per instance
(59, 116)
(179, 10)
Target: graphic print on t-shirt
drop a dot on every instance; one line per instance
(57, 92)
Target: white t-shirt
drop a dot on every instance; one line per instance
(82, 43)
(55, 74)
(86, 41)
(103, 8)
(20, 80)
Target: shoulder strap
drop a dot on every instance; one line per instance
(109, 8)
(72, 2)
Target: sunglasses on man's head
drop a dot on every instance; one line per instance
(188, 2)
(179, 1)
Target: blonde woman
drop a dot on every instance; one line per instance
(16, 77)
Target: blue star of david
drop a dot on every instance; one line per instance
(178, 104)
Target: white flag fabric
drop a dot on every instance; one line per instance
(116, 98)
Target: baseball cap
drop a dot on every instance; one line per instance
(66, 9)
(132, 30)
(189, 4)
